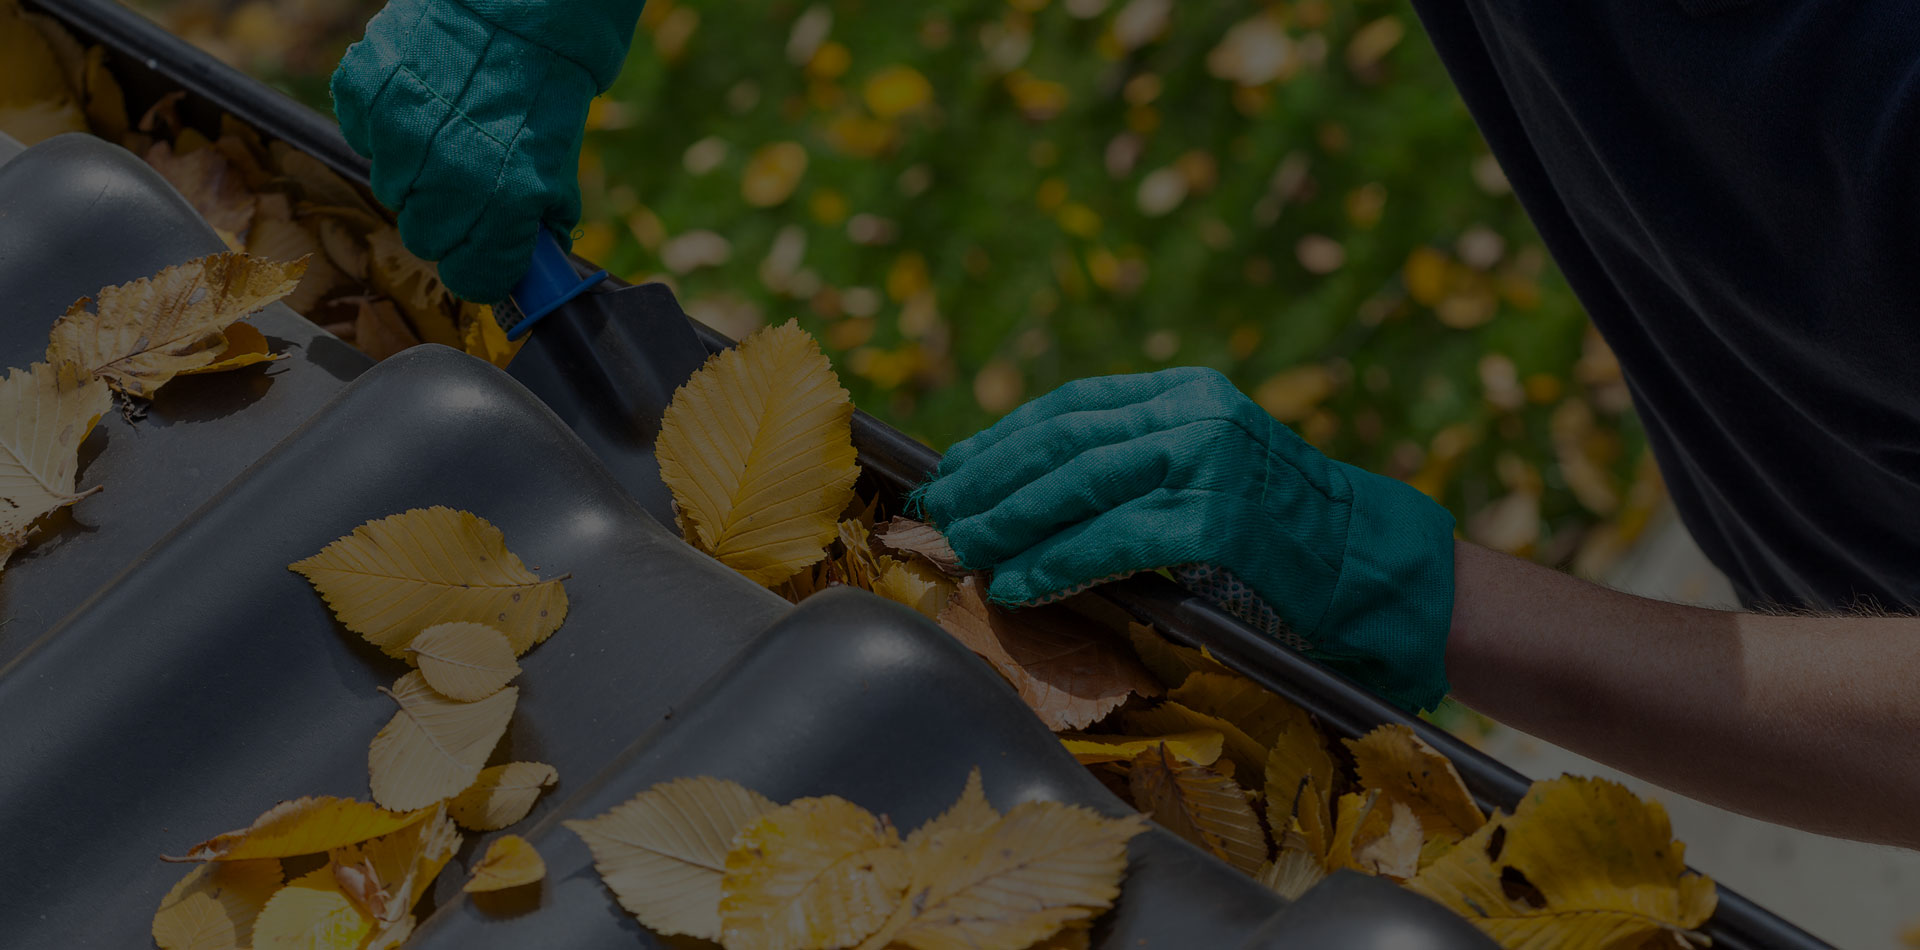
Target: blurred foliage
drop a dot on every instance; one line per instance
(973, 201)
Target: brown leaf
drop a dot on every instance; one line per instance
(921, 540)
(209, 183)
(1407, 770)
(1069, 673)
(379, 331)
(1200, 805)
(1170, 662)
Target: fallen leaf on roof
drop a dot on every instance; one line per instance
(214, 905)
(819, 872)
(147, 331)
(387, 876)
(481, 336)
(1262, 715)
(434, 746)
(1291, 873)
(1169, 662)
(1249, 758)
(1298, 779)
(379, 330)
(241, 345)
(35, 102)
(209, 182)
(510, 861)
(1407, 770)
(916, 585)
(1580, 864)
(1197, 747)
(502, 795)
(663, 853)
(920, 540)
(45, 413)
(757, 448)
(464, 661)
(1069, 672)
(1199, 805)
(303, 826)
(311, 913)
(414, 285)
(394, 577)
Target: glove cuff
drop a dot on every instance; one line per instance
(1392, 604)
(593, 34)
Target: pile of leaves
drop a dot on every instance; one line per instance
(135, 338)
(757, 450)
(266, 198)
(438, 589)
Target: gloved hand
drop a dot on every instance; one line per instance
(1109, 476)
(472, 112)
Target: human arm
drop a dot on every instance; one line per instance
(472, 112)
(1808, 721)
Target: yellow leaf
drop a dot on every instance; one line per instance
(970, 815)
(482, 337)
(758, 450)
(387, 876)
(1355, 820)
(1248, 757)
(311, 913)
(1393, 850)
(1018, 880)
(915, 584)
(773, 173)
(241, 345)
(502, 795)
(1582, 864)
(434, 746)
(920, 540)
(464, 661)
(1199, 805)
(1408, 770)
(415, 286)
(45, 413)
(1198, 747)
(861, 567)
(1292, 873)
(1068, 672)
(303, 826)
(209, 182)
(147, 331)
(663, 853)
(214, 906)
(1169, 662)
(1299, 775)
(897, 90)
(510, 862)
(396, 576)
(1262, 715)
(35, 103)
(819, 872)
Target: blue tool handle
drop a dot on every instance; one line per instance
(550, 282)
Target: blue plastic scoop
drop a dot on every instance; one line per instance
(550, 282)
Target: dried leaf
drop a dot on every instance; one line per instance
(1199, 805)
(1292, 873)
(663, 853)
(1582, 864)
(916, 585)
(818, 872)
(145, 332)
(45, 413)
(1170, 662)
(859, 565)
(1395, 850)
(1408, 770)
(387, 876)
(464, 661)
(1019, 880)
(1248, 757)
(209, 182)
(510, 862)
(35, 102)
(482, 337)
(1355, 820)
(303, 826)
(434, 746)
(502, 795)
(241, 345)
(396, 576)
(379, 331)
(1197, 747)
(920, 540)
(214, 906)
(1299, 774)
(311, 913)
(758, 450)
(415, 286)
(970, 815)
(1069, 673)
(106, 103)
(1262, 715)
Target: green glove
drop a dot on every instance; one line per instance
(1105, 477)
(472, 112)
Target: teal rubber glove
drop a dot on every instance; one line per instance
(472, 112)
(1110, 476)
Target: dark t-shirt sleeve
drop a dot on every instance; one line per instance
(1730, 188)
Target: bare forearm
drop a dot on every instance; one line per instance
(1806, 721)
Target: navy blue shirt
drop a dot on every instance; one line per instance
(1732, 188)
